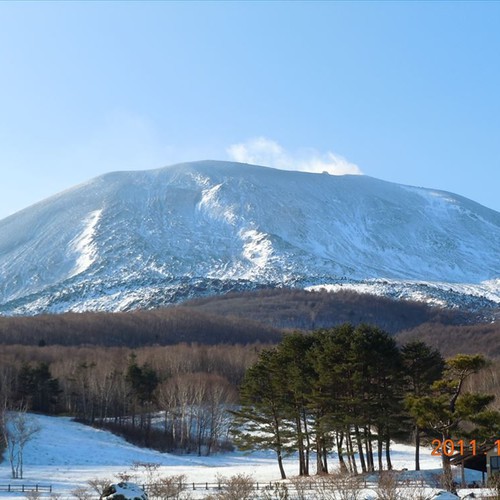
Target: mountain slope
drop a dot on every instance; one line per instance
(143, 239)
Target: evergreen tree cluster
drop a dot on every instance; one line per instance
(351, 391)
(38, 390)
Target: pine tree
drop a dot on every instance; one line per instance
(377, 379)
(332, 395)
(299, 378)
(38, 390)
(143, 382)
(448, 407)
(261, 422)
(423, 365)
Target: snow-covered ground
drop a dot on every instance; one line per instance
(66, 455)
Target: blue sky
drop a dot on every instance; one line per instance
(407, 92)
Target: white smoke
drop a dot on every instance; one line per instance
(266, 152)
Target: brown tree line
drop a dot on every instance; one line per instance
(167, 326)
(450, 339)
(305, 310)
(234, 318)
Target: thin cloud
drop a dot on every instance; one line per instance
(266, 152)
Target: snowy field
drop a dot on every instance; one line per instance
(66, 455)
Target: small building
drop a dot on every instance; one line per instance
(493, 461)
(485, 459)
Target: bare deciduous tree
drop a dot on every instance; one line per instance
(18, 428)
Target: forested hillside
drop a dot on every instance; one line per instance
(259, 316)
(450, 339)
(171, 325)
(307, 310)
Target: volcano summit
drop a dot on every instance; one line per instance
(144, 239)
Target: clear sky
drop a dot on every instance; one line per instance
(407, 92)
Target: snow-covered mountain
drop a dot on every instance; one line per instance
(143, 239)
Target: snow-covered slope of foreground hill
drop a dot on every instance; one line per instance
(463, 295)
(144, 239)
(66, 455)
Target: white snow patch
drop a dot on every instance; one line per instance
(214, 207)
(256, 247)
(84, 244)
(439, 199)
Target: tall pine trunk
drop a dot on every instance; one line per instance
(448, 482)
(325, 458)
(350, 454)
(279, 447)
(388, 451)
(417, 447)
(360, 448)
(308, 441)
(320, 464)
(280, 464)
(339, 438)
(369, 449)
(300, 446)
(380, 451)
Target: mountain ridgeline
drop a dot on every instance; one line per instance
(143, 240)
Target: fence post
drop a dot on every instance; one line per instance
(193, 487)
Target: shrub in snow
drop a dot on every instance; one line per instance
(82, 493)
(238, 487)
(168, 488)
(340, 486)
(124, 491)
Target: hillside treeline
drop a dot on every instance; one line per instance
(450, 339)
(173, 398)
(297, 309)
(450, 331)
(261, 316)
(167, 326)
